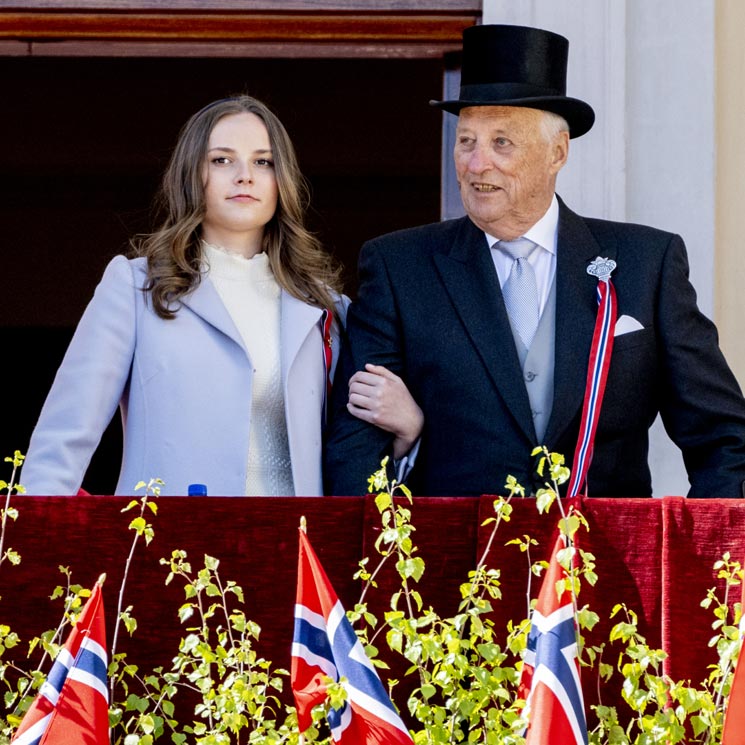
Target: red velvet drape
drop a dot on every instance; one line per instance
(655, 555)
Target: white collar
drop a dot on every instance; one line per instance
(544, 233)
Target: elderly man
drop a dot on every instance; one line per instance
(492, 320)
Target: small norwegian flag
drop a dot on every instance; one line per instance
(550, 679)
(325, 645)
(73, 703)
(734, 718)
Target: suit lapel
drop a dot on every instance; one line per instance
(469, 276)
(576, 311)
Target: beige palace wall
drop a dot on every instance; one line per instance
(729, 267)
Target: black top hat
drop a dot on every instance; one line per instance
(518, 66)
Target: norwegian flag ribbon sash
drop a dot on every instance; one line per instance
(597, 373)
(327, 319)
(72, 704)
(324, 644)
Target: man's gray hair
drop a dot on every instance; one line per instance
(552, 124)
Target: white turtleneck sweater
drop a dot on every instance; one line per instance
(252, 297)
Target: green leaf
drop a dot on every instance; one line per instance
(383, 501)
(13, 557)
(544, 499)
(428, 690)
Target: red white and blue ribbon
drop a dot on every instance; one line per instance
(327, 319)
(597, 372)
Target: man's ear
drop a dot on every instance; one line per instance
(559, 151)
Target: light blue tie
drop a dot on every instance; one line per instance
(520, 291)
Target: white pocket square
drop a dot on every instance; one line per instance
(626, 324)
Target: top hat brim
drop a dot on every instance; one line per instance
(579, 115)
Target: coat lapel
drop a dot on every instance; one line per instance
(296, 322)
(297, 319)
(207, 304)
(576, 311)
(469, 276)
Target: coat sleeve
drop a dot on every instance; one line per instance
(354, 449)
(702, 406)
(87, 388)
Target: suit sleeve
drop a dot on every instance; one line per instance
(701, 404)
(87, 388)
(354, 449)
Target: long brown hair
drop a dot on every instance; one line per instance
(173, 251)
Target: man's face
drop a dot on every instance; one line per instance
(506, 164)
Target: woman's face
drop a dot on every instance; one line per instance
(240, 185)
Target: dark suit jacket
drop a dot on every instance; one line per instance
(431, 310)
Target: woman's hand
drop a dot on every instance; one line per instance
(378, 396)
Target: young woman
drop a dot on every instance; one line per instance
(219, 340)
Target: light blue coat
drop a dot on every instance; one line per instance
(184, 390)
